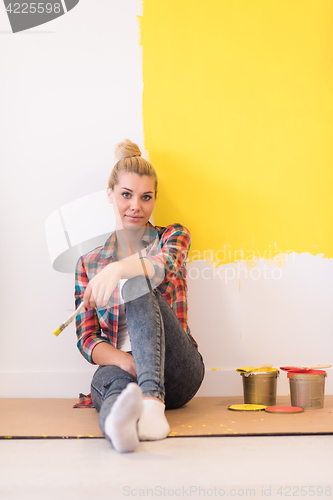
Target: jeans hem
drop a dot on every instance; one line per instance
(153, 394)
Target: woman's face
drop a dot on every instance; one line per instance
(133, 198)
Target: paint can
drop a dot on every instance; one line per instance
(307, 389)
(260, 387)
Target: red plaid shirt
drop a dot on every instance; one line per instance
(167, 248)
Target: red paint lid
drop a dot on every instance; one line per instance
(298, 369)
(284, 409)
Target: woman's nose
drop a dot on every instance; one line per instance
(135, 203)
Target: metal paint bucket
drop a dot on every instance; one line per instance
(260, 387)
(307, 389)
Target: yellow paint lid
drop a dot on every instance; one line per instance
(247, 407)
(248, 369)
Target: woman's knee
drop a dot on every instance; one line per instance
(135, 288)
(107, 376)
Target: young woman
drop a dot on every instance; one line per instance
(135, 320)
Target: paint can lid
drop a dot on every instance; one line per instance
(247, 407)
(284, 409)
(253, 369)
(300, 369)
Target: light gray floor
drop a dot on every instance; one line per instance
(234, 467)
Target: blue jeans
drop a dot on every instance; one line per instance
(167, 363)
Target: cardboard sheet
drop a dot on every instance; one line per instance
(56, 418)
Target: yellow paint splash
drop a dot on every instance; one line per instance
(237, 108)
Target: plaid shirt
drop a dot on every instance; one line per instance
(167, 248)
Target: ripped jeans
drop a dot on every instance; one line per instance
(167, 363)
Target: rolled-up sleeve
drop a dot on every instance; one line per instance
(88, 329)
(171, 253)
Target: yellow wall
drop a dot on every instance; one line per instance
(238, 120)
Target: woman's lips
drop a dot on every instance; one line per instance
(133, 218)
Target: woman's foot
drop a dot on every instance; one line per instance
(153, 424)
(121, 423)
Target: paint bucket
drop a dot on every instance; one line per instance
(260, 387)
(307, 389)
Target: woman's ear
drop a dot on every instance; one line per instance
(110, 195)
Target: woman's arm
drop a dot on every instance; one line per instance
(88, 328)
(172, 253)
(100, 288)
(175, 244)
(105, 354)
(91, 343)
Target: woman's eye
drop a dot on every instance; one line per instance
(127, 195)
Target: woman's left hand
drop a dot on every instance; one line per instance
(101, 286)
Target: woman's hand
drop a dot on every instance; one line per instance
(101, 286)
(106, 354)
(126, 362)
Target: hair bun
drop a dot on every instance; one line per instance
(127, 149)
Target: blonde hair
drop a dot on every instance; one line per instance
(130, 160)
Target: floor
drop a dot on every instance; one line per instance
(211, 467)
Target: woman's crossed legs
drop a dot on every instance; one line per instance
(169, 370)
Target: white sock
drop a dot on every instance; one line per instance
(153, 424)
(121, 423)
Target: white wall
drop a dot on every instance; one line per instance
(70, 90)
(272, 313)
